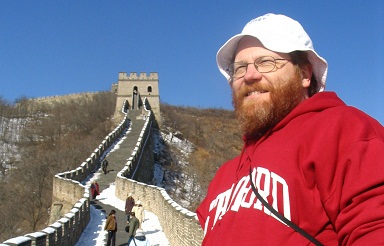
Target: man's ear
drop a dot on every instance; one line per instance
(306, 71)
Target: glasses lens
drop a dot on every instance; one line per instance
(237, 69)
(265, 64)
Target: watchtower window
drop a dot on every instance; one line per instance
(149, 89)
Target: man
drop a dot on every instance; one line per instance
(133, 226)
(312, 168)
(111, 227)
(105, 166)
(129, 203)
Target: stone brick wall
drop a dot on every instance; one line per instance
(63, 98)
(70, 211)
(179, 224)
(64, 232)
(141, 82)
(71, 205)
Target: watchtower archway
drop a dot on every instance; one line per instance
(135, 98)
(135, 87)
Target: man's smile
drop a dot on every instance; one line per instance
(256, 93)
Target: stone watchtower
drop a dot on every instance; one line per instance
(135, 88)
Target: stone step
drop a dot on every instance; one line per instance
(116, 161)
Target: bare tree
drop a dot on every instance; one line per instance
(10, 225)
(57, 135)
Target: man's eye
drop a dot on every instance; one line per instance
(239, 69)
(266, 62)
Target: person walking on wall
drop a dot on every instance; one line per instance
(133, 226)
(104, 166)
(111, 227)
(311, 171)
(139, 212)
(129, 203)
(94, 190)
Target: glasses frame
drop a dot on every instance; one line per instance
(230, 69)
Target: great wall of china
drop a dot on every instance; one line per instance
(69, 192)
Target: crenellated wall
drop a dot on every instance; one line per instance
(179, 224)
(135, 86)
(70, 210)
(71, 205)
(64, 98)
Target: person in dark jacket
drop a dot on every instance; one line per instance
(104, 165)
(111, 227)
(129, 203)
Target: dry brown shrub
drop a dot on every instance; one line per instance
(215, 134)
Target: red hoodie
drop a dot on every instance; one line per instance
(322, 167)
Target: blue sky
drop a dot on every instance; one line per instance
(52, 48)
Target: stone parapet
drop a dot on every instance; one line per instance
(71, 204)
(70, 210)
(179, 224)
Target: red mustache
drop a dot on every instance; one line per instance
(247, 89)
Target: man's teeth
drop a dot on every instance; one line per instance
(256, 92)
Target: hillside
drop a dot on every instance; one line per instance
(39, 140)
(216, 138)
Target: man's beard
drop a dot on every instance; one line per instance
(256, 118)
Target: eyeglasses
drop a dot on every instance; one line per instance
(263, 64)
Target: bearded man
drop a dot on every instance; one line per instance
(311, 169)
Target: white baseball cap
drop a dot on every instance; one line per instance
(277, 33)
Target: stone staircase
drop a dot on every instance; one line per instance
(116, 161)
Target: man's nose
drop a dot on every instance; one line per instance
(251, 74)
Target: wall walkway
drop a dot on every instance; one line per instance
(130, 168)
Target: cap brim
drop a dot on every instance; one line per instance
(226, 54)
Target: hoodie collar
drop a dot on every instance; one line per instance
(317, 103)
